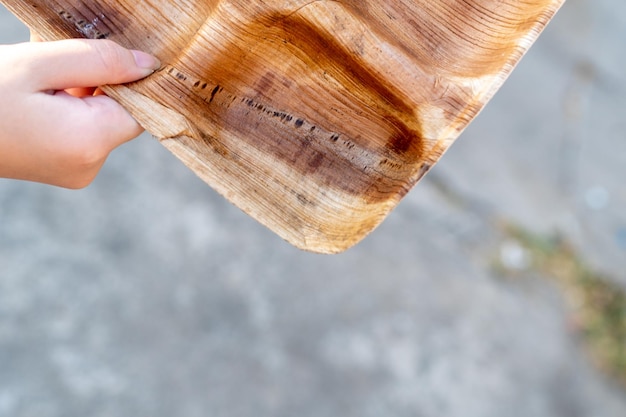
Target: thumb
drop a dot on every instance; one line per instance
(85, 63)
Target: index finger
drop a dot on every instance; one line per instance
(85, 63)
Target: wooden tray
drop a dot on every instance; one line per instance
(314, 117)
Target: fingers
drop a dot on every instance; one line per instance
(77, 136)
(76, 92)
(85, 63)
(63, 137)
(63, 140)
(110, 121)
(97, 123)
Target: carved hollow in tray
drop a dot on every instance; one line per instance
(314, 117)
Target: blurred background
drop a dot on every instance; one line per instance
(496, 288)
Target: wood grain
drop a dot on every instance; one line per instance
(314, 117)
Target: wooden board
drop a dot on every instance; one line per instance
(314, 117)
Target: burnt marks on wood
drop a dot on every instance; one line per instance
(93, 28)
(403, 140)
(221, 100)
(332, 158)
(213, 92)
(388, 164)
(95, 20)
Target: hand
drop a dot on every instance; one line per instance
(55, 126)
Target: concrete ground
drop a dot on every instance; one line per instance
(147, 294)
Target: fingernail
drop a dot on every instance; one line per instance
(146, 61)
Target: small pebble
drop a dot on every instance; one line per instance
(514, 256)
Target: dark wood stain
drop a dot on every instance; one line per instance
(403, 140)
(302, 149)
(316, 161)
(265, 83)
(325, 52)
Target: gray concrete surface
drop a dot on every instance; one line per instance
(147, 294)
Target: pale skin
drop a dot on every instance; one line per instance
(56, 127)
